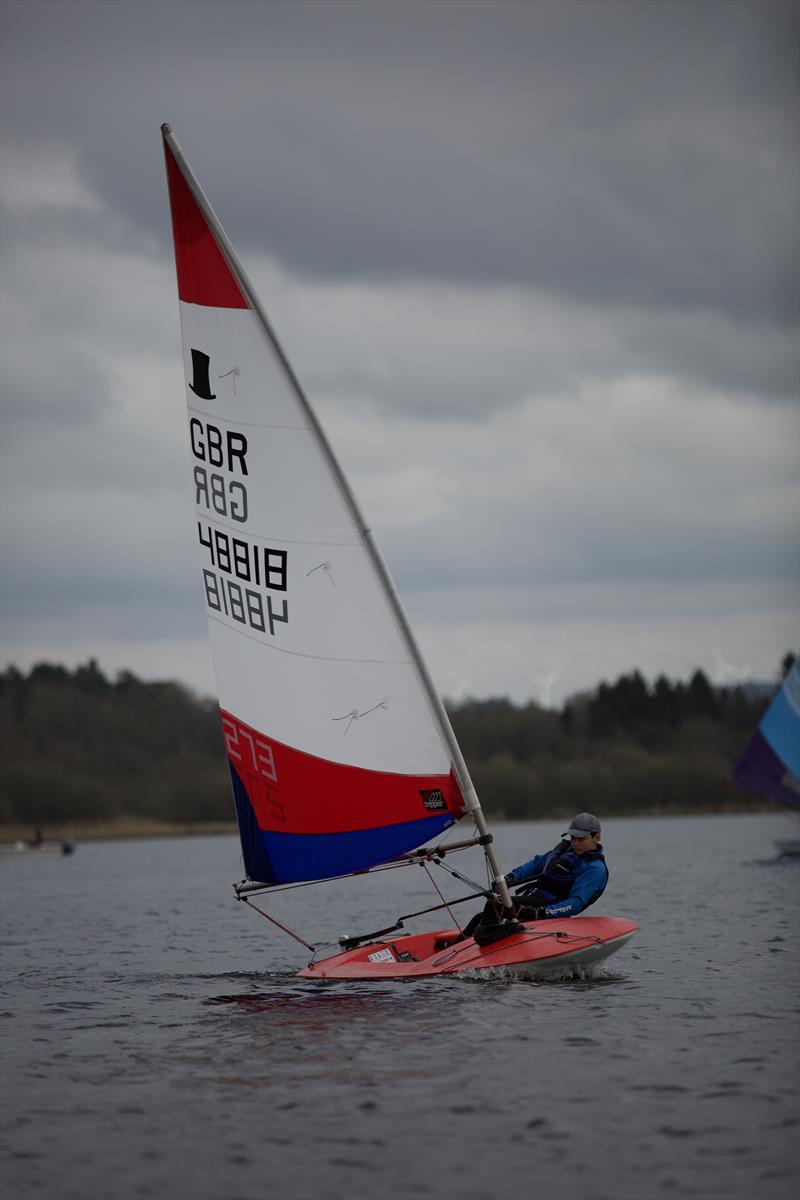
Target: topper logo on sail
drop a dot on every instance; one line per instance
(433, 800)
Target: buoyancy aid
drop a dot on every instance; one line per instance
(555, 881)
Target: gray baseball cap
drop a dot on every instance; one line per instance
(582, 824)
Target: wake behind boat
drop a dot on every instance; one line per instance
(342, 756)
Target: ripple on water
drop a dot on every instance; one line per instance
(202, 1077)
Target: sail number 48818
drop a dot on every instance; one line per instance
(236, 563)
(245, 605)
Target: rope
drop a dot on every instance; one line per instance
(296, 936)
(481, 891)
(441, 897)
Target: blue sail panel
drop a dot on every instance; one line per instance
(273, 858)
(781, 723)
(300, 856)
(770, 765)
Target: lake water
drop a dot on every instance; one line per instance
(155, 1042)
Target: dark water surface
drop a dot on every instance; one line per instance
(155, 1042)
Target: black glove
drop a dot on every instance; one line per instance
(511, 879)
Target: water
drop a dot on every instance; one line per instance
(155, 1042)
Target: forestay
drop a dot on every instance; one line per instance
(340, 755)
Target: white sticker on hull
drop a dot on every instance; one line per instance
(382, 956)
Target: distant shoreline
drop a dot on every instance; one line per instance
(135, 827)
(123, 827)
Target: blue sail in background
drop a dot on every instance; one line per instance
(770, 766)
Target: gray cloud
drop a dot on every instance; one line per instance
(536, 265)
(592, 150)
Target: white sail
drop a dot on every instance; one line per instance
(340, 751)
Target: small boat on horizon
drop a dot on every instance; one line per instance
(38, 847)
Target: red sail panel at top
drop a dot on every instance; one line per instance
(204, 277)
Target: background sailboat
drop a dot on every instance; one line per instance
(341, 753)
(770, 765)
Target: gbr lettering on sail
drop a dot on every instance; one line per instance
(241, 579)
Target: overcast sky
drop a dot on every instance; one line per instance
(535, 264)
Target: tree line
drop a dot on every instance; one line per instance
(625, 747)
(79, 746)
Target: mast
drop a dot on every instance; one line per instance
(471, 802)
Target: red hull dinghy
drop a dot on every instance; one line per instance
(342, 757)
(543, 949)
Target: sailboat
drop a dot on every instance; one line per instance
(342, 757)
(770, 765)
(36, 849)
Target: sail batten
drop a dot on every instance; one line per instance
(318, 657)
(341, 752)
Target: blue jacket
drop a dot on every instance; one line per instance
(590, 876)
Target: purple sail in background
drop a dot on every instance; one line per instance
(770, 766)
(760, 770)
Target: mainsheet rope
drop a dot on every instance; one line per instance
(296, 936)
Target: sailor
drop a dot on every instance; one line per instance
(560, 883)
(567, 879)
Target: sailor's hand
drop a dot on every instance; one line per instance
(511, 879)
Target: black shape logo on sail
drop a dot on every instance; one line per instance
(434, 801)
(201, 385)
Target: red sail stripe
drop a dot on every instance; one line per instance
(295, 792)
(204, 277)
